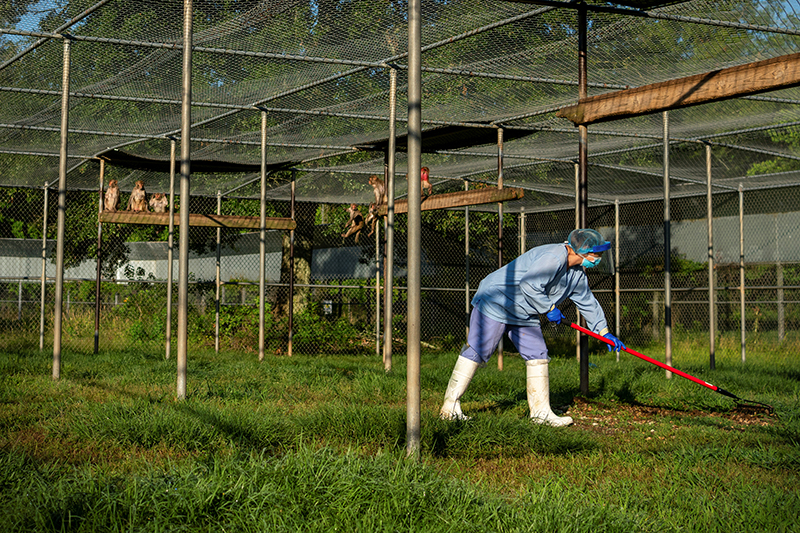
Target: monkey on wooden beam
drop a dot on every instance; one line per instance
(159, 203)
(138, 198)
(355, 224)
(112, 196)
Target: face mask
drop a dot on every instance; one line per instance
(588, 263)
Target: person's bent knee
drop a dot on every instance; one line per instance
(468, 352)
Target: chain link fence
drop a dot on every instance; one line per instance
(338, 282)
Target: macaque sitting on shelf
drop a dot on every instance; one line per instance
(379, 188)
(159, 203)
(138, 199)
(112, 196)
(426, 185)
(372, 219)
(355, 224)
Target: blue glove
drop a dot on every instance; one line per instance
(617, 343)
(554, 315)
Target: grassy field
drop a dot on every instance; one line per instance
(318, 444)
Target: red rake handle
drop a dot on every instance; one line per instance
(658, 363)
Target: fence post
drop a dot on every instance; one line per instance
(712, 322)
(616, 270)
(667, 252)
(216, 294)
(500, 228)
(741, 267)
(44, 270)
(781, 315)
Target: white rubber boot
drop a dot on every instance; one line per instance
(459, 380)
(538, 387)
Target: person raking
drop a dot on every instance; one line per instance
(510, 300)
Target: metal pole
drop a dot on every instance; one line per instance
(62, 197)
(466, 262)
(500, 227)
(741, 267)
(216, 295)
(711, 308)
(414, 227)
(388, 295)
(779, 282)
(667, 248)
(578, 335)
(377, 289)
(99, 261)
(183, 235)
(583, 162)
(262, 242)
(44, 269)
(19, 301)
(616, 271)
(291, 272)
(523, 234)
(170, 247)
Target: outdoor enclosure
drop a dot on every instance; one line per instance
(331, 79)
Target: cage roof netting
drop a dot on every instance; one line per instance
(320, 70)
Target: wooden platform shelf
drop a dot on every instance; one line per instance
(460, 199)
(209, 221)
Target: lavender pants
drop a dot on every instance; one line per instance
(485, 335)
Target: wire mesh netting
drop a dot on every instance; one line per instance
(320, 73)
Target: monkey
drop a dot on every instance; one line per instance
(112, 196)
(426, 185)
(159, 203)
(372, 218)
(356, 222)
(379, 188)
(138, 199)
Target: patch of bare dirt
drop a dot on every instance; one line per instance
(611, 418)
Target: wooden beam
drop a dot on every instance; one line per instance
(210, 221)
(753, 78)
(459, 199)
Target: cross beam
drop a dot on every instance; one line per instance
(210, 221)
(459, 199)
(743, 80)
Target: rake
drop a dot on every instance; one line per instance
(740, 401)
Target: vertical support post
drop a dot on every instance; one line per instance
(388, 278)
(62, 197)
(466, 263)
(218, 280)
(19, 301)
(578, 319)
(781, 309)
(500, 227)
(99, 261)
(170, 245)
(712, 322)
(44, 269)
(414, 226)
(378, 289)
(779, 282)
(183, 238)
(741, 268)
(616, 271)
(523, 233)
(583, 163)
(262, 240)
(667, 252)
(291, 272)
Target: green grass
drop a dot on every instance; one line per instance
(318, 444)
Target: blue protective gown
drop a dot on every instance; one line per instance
(532, 284)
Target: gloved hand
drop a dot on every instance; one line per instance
(617, 343)
(555, 316)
